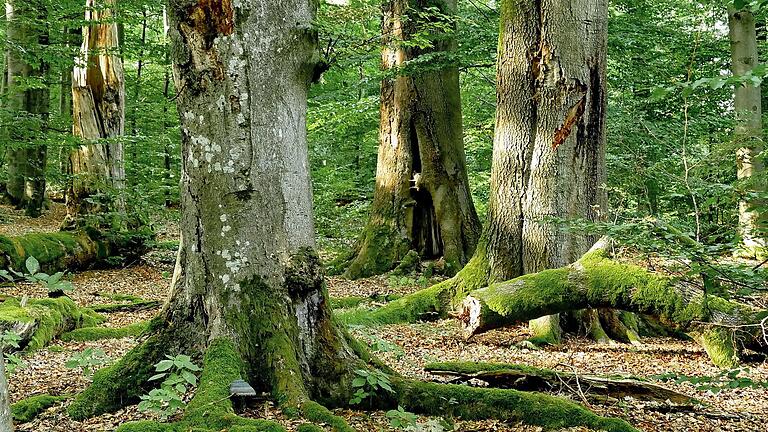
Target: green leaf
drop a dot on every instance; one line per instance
(33, 265)
(164, 365)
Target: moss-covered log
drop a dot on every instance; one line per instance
(597, 281)
(41, 320)
(70, 250)
(27, 409)
(527, 378)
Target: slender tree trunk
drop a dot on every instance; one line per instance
(139, 70)
(748, 131)
(6, 420)
(422, 199)
(166, 100)
(27, 156)
(97, 166)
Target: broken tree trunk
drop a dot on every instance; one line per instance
(70, 250)
(526, 378)
(721, 326)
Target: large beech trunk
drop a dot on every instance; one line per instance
(246, 270)
(422, 199)
(27, 155)
(597, 281)
(97, 165)
(748, 132)
(549, 143)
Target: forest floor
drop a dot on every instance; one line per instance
(409, 347)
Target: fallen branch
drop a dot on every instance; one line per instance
(526, 378)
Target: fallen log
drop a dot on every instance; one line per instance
(71, 250)
(39, 321)
(723, 327)
(527, 378)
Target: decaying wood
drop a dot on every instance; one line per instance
(533, 379)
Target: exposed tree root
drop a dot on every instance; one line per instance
(211, 408)
(596, 281)
(99, 333)
(471, 403)
(65, 250)
(41, 320)
(526, 378)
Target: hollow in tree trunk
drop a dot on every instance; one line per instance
(748, 131)
(422, 199)
(97, 165)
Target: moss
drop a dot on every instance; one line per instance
(133, 305)
(210, 410)
(720, 346)
(27, 409)
(309, 427)
(53, 316)
(380, 247)
(409, 263)
(546, 330)
(98, 333)
(119, 384)
(471, 403)
(317, 413)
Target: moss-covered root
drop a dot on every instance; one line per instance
(120, 384)
(380, 248)
(99, 333)
(720, 346)
(211, 409)
(317, 413)
(61, 251)
(27, 409)
(41, 320)
(620, 325)
(430, 303)
(471, 403)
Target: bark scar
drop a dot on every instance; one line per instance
(213, 18)
(574, 115)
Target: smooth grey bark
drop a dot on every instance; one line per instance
(6, 420)
(422, 200)
(97, 166)
(748, 131)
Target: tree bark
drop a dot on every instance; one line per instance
(723, 327)
(6, 420)
(247, 228)
(97, 166)
(748, 131)
(422, 199)
(27, 156)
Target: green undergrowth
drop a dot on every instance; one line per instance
(53, 317)
(98, 333)
(27, 409)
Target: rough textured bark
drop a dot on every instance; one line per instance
(248, 289)
(247, 228)
(422, 199)
(721, 326)
(98, 99)
(549, 143)
(27, 156)
(6, 421)
(748, 132)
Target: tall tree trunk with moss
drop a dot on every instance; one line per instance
(748, 131)
(243, 80)
(422, 199)
(549, 144)
(28, 99)
(97, 166)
